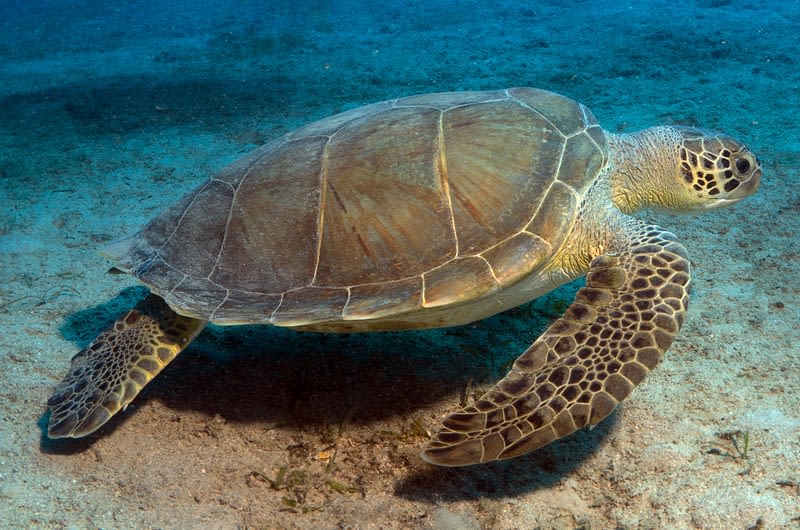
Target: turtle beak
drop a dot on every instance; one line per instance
(721, 203)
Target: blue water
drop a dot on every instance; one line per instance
(109, 111)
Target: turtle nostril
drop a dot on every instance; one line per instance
(742, 165)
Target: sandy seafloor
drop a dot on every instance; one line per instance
(109, 111)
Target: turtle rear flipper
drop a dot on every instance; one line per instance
(586, 362)
(113, 369)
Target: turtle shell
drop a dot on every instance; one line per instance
(417, 212)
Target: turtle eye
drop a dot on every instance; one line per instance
(743, 165)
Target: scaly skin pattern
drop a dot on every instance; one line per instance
(110, 372)
(610, 337)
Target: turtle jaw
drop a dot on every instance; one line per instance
(720, 203)
(745, 189)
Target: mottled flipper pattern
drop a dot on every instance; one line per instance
(589, 360)
(113, 369)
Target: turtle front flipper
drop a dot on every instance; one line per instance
(589, 360)
(113, 369)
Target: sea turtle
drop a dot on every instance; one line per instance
(428, 211)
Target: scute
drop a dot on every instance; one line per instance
(344, 223)
(501, 160)
(566, 115)
(257, 211)
(384, 208)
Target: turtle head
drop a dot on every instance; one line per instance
(683, 169)
(714, 169)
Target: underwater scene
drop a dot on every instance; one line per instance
(111, 112)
